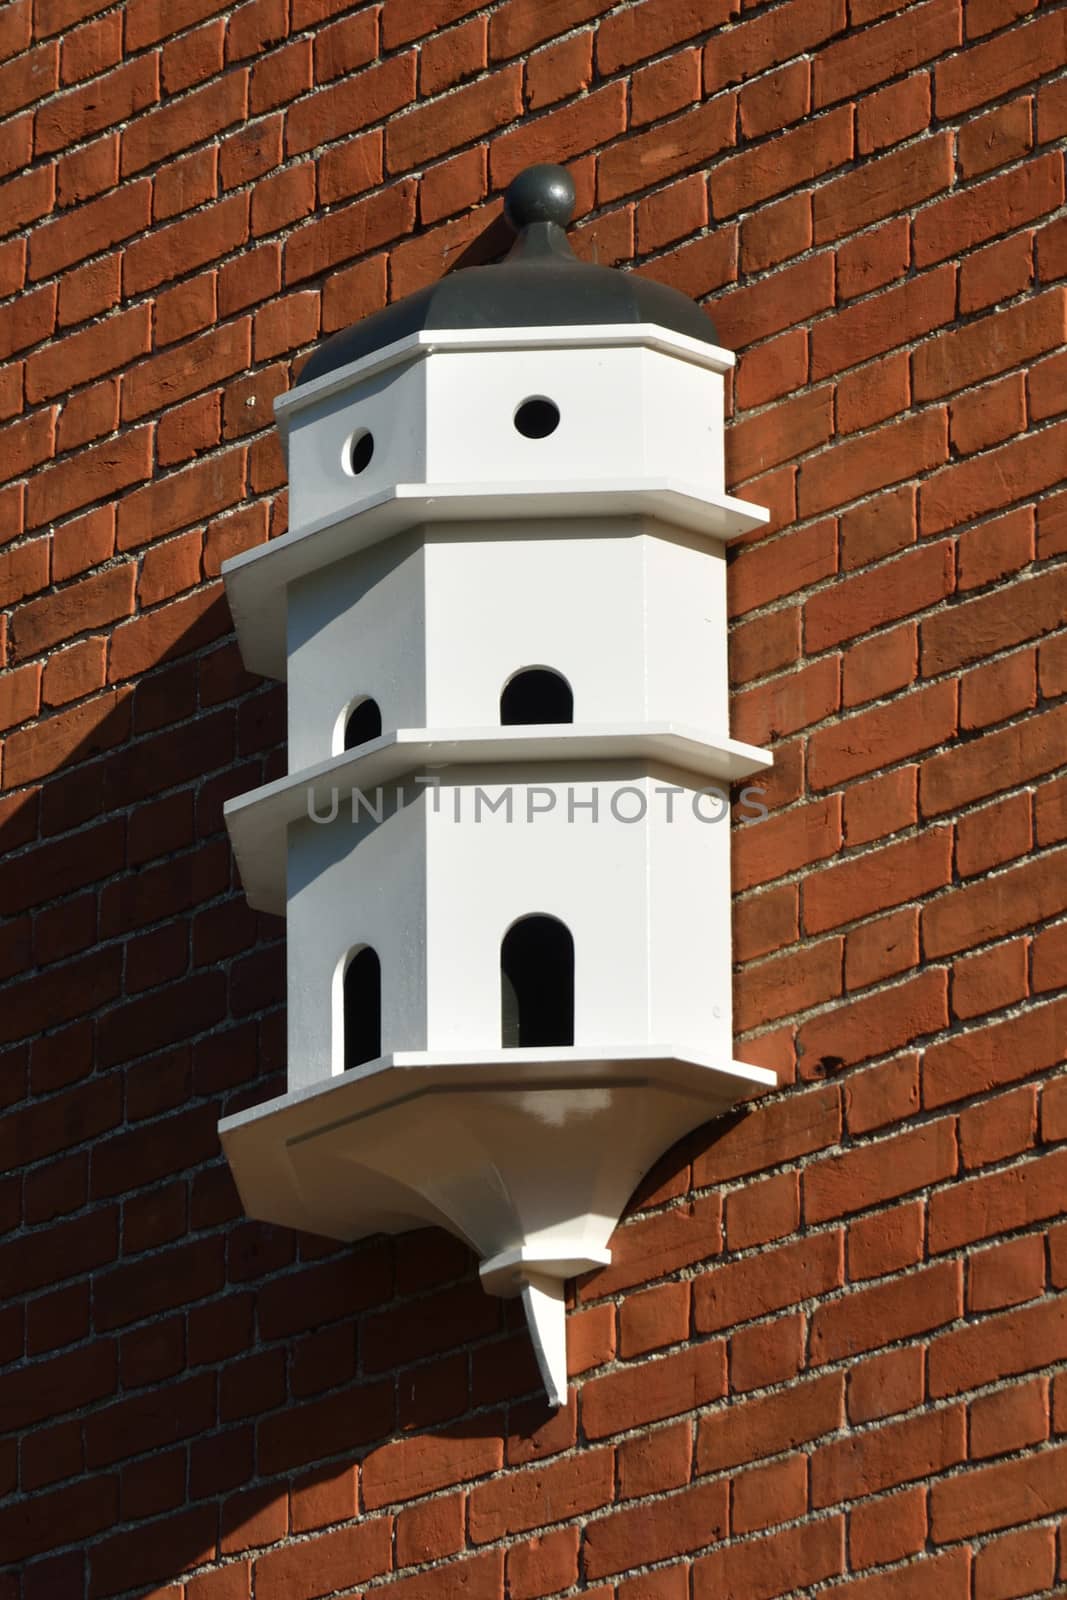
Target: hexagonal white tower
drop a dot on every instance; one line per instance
(502, 848)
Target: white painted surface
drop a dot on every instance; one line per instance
(257, 581)
(463, 554)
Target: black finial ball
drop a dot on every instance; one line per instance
(544, 193)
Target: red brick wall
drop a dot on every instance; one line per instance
(830, 1347)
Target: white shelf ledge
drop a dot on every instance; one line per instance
(258, 821)
(257, 580)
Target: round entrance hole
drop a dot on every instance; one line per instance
(537, 417)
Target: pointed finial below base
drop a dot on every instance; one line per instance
(546, 1316)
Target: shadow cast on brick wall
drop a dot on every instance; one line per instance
(180, 1384)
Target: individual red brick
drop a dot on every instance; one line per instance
(878, 189)
(893, 114)
(540, 1565)
(89, 229)
(997, 272)
(987, 71)
(854, 606)
(172, 376)
(872, 394)
(990, 980)
(874, 258)
(1046, 388)
(189, 429)
(252, 28)
(984, 16)
(859, 466)
(882, 949)
(16, 31)
(1051, 112)
(169, 569)
(27, 198)
(1003, 1052)
(695, 268)
(777, 1492)
(764, 645)
(766, 1354)
(664, 87)
(407, 1467)
(772, 369)
(187, 309)
(95, 474)
(91, 49)
(35, 320)
(74, 673)
(769, 1135)
(997, 138)
(775, 100)
(112, 343)
(419, 134)
(20, 695)
(997, 692)
(193, 57)
(450, 187)
(1015, 1564)
(763, 1211)
(663, 151)
(1004, 1126)
(447, 58)
(28, 77)
(889, 1093)
(653, 1319)
(995, 549)
(879, 528)
(655, 1460)
(1007, 1274)
(186, 184)
(885, 1385)
(886, 1530)
(82, 543)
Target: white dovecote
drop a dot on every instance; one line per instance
(501, 847)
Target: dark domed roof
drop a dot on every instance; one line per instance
(540, 284)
